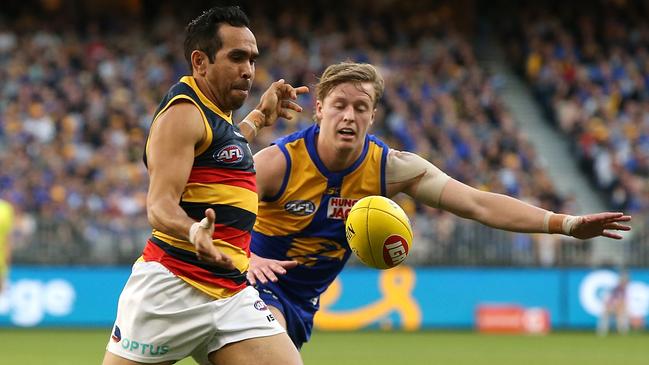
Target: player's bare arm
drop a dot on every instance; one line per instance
(270, 164)
(277, 101)
(504, 212)
(170, 155)
(413, 175)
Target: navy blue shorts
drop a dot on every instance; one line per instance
(299, 318)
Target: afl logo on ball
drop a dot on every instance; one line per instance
(229, 154)
(260, 305)
(395, 250)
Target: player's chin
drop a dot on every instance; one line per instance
(238, 98)
(347, 147)
(349, 139)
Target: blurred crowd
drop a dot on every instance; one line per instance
(591, 70)
(76, 101)
(589, 67)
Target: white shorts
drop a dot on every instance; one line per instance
(160, 318)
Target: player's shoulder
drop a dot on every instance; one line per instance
(405, 165)
(270, 162)
(269, 155)
(182, 110)
(398, 156)
(377, 141)
(270, 166)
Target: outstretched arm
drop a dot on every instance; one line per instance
(427, 184)
(504, 212)
(277, 101)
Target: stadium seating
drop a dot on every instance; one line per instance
(77, 101)
(589, 70)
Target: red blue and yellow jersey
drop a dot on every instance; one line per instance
(223, 178)
(305, 220)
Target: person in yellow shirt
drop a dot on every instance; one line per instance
(6, 226)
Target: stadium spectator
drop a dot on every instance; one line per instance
(615, 304)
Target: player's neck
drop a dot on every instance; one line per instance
(205, 88)
(336, 159)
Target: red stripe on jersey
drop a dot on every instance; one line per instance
(210, 175)
(154, 253)
(233, 236)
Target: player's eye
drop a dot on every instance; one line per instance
(239, 57)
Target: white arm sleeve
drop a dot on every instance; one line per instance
(423, 180)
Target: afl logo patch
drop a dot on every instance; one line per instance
(260, 305)
(229, 154)
(300, 207)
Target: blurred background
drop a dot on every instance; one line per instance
(546, 102)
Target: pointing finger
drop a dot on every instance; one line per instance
(301, 90)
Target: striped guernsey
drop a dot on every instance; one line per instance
(222, 178)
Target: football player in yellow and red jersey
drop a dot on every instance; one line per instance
(308, 181)
(187, 294)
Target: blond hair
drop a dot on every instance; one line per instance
(353, 72)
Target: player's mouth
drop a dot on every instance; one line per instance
(243, 92)
(347, 132)
(242, 88)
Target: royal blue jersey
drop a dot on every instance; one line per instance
(305, 221)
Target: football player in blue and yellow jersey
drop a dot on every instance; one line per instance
(187, 294)
(308, 181)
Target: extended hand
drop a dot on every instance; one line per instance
(600, 224)
(205, 249)
(263, 269)
(278, 101)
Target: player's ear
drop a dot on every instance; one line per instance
(373, 116)
(199, 62)
(318, 111)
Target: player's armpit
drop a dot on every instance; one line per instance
(416, 177)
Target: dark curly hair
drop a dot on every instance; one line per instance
(202, 33)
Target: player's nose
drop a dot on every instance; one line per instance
(349, 114)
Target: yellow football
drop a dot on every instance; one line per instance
(378, 232)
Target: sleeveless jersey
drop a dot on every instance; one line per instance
(223, 178)
(305, 220)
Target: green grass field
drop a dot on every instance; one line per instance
(65, 347)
